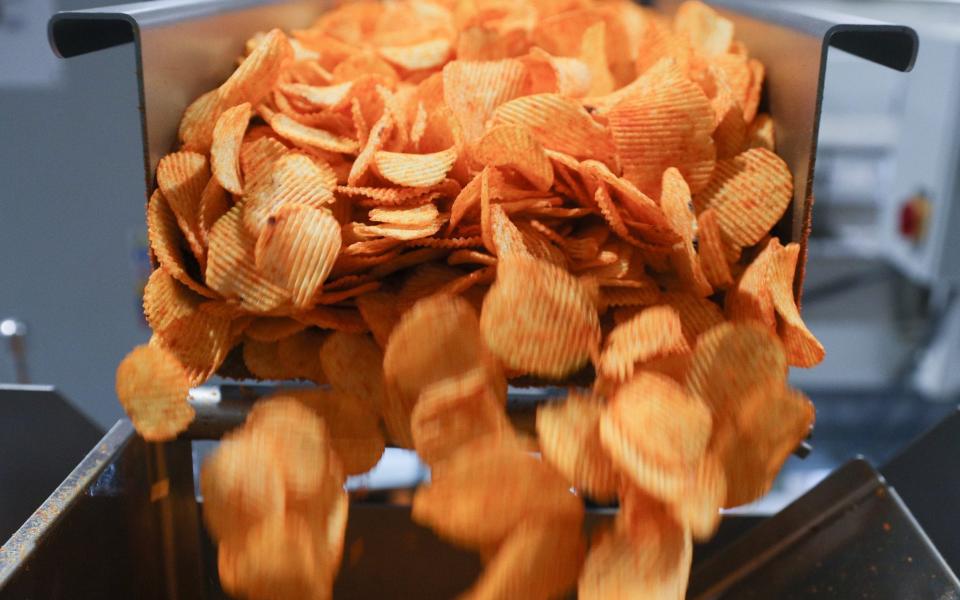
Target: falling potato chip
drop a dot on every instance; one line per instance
(241, 486)
(750, 298)
(569, 434)
(380, 312)
(749, 194)
(666, 121)
(296, 356)
(515, 147)
(297, 250)
(699, 508)
(538, 319)
(353, 363)
(655, 331)
(414, 170)
(646, 556)
(656, 433)
(539, 560)
(225, 150)
(697, 315)
(465, 502)
(803, 349)
(455, 411)
(409, 365)
(153, 388)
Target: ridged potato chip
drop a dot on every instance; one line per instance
(425, 55)
(803, 349)
(273, 329)
(750, 298)
(465, 501)
(231, 268)
(353, 363)
(709, 33)
(182, 177)
(153, 389)
(593, 52)
(675, 201)
(225, 149)
(455, 411)
(297, 250)
(569, 434)
(697, 315)
(749, 194)
(560, 124)
(414, 170)
(473, 89)
(538, 318)
(655, 331)
(656, 433)
(291, 129)
(410, 366)
(295, 178)
(515, 147)
(710, 249)
(296, 356)
(540, 560)
(666, 121)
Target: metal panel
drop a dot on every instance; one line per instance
(183, 47)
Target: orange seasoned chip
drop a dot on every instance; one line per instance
(539, 319)
(273, 329)
(296, 356)
(153, 389)
(666, 121)
(414, 170)
(505, 237)
(569, 434)
(473, 89)
(167, 244)
(409, 365)
(214, 203)
(593, 52)
(761, 133)
(423, 215)
(654, 332)
(333, 317)
(750, 299)
(455, 411)
(515, 147)
(697, 315)
(803, 349)
(710, 248)
(570, 77)
(297, 250)
(539, 559)
(353, 363)
(675, 201)
(425, 55)
(381, 314)
(295, 178)
(225, 150)
(291, 129)
(560, 124)
(749, 193)
(466, 504)
(182, 177)
(318, 97)
(656, 433)
(709, 33)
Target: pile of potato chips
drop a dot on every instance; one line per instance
(412, 203)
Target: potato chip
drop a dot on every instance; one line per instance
(423, 215)
(353, 363)
(750, 299)
(646, 556)
(214, 203)
(318, 97)
(153, 388)
(465, 502)
(331, 317)
(699, 508)
(296, 356)
(182, 177)
(295, 179)
(258, 72)
(675, 201)
(198, 121)
(803, 349)
(240, 487)
(593, 52)
(570, 77)
(749, 193)
(225, 149)
(272, 329)
(473, 89)
(560, 124)
(353, 426)
(697, 315)
(167, 244)
(381, 314)
(540, 559)
(655, 331)
(515, 147)
(538, 319)
(709, 33)
(410, 366)
(414, 170)
(379, 135)
(656, 433)
(296, 132)
(425, 55)
(665, 122)
(297, 250)
(711, 250)
(569, 434)
(199, 340)
(455, 411)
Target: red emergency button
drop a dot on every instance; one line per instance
(914, 214)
